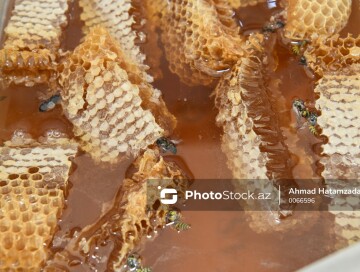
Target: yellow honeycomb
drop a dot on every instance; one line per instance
(313, 18)
(129, 222)
(200, 38)
(339, 96)
(114, 110)
(333, 54)
(32, 40)
(32, 180)
(250, 131)
(115, 16)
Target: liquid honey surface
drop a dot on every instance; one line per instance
(217, 241)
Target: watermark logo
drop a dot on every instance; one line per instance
(164, 196)
(256, 195)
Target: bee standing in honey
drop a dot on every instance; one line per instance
(273, 26)
(50, 104)
(134, 264)
(302, 111)
(166, 145)
(173, 218)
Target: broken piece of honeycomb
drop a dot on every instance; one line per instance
(333, 54)
(32, 40)
(201, 38)
(237, 93)
(313, 18)
(114, 110)
(117, 18)
(129, 221)
(252, 139)
(244, 3)
(32, 183)
(339, 95)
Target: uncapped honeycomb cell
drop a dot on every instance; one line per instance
(116, 16)
(32, 180)
(250, 133)
(313, 18)
(32, 40)
(340, 112)
(244, 3)
(129, 221)
(114, 110)
(201, 38)
(333, 54)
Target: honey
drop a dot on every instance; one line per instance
(217, 241)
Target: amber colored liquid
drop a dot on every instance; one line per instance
(217, 241)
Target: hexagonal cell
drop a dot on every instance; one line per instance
(33, 170)
(24, 176)
(349, 42)
(5, 190)
(319, 21)
(13, 176)
(325, 10)
(36, 176)
(7, 241)
(15, 183)
(315, 7)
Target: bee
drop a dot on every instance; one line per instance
(303, 61)
(299, 106)
(172, 217)
(313, 129)
(273, 26)
(133, 262)
(298, 46)
(312, 118)
(50, 103)
(296, 49)
(302, 111)
(305, 113)
(182, 226)
(166, 145)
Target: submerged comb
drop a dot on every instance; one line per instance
(114, 110)
(32, 41)
(32, 183)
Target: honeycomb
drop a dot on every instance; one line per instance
(310, 19)
(129, 221)
(333, 54)
(32, 180)
(150, 40)
(244, 3)
(339, 104)
(116, 17)
(32, 39)
(200, 38)
(115, 112)
(252, 140)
